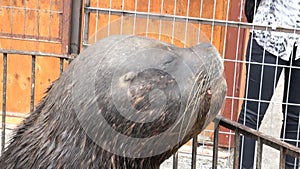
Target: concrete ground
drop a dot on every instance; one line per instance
(271, 125)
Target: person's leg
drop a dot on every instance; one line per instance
(260, 83)
(291, 108)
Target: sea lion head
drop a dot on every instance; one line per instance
(148, 96)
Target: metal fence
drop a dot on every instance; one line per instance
(30, 31)
(180, 22)
(262, 140)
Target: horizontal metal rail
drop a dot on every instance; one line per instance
(30, 53)
(15, 36)
(262, 139)
(207, 21)
(34, 38)
(12, 114)
(33, 56)
(31, 9)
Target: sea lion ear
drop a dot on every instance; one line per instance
(129, 76)
(251, 7)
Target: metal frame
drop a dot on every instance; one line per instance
(65, 29)
(76, 27)
(206, 21)
(64, 25)
(261, 138)
(65, 32)
(33, 55)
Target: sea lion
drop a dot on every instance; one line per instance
(124, 102)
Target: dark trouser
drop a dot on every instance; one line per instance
(261, 81)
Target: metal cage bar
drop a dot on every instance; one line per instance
(194, 152)
(175, 160)
(259, 153)
(61, 65)
(215, 148)
(262, 139)
(86, 24)
(215, 22)
(4, 101)
(236, 149)
(33, 59)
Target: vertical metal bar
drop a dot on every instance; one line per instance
(12, 17)
(236, 66)
(237, 142)
(175, 160)
(76, 27)
(226, 29)
(109, 17)
(135, 13)
(194, 152)
(24, 29)
(33, 58)
(199, 25)
(259, 153)
(50, 20)
(298, 159)
(282, 158)
(213, 23)
(160, 21)
(86, 23)
(4, 101)
(65, 26)
(186, 23)
(61, 65)
(122, 18)
(174, 21)
(216, 143)
(148, 12)
(38, 19)
(96, 24)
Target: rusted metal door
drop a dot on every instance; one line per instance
(34, 38)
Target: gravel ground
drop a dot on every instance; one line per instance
(204, 159)
(271, 125)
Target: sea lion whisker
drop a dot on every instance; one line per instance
(195, 105)
(192, 95)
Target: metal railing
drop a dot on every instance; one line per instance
(33, 56)
(261, 138)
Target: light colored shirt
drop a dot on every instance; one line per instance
(278, 13)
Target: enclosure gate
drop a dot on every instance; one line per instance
(42, 33)
(32, 34)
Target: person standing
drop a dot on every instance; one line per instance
(270, 52)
